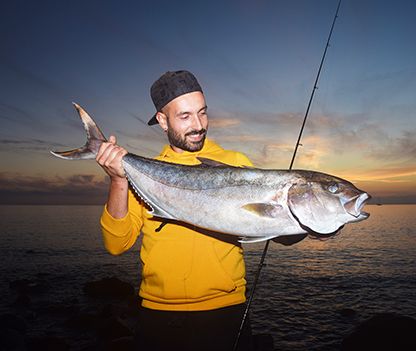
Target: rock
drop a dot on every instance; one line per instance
(11, 339)
(121, 344)
(59, 309)
(83, 321)
(113, 328)
(385, 331)
(109, 288)
(132, 305)
(20, 285)
(127, 343)
(22, 300)
(14, 322)
(47, 343)
(107, 311)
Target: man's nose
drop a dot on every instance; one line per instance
(196, 123)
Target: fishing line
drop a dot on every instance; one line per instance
(315, 86)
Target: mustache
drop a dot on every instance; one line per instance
(196, 132)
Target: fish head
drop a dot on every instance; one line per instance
(323, 204)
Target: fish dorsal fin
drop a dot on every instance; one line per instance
(264, 209)
(211, 163)
(208, 162)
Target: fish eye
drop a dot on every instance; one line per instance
(333, 188)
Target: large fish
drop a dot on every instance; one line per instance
(253, 204)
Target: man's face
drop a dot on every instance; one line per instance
(186, 122)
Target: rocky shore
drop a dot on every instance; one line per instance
(104, 317)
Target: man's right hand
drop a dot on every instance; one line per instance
(109, 158)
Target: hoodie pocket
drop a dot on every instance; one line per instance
(183, 271)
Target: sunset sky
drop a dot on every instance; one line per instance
(256, 61)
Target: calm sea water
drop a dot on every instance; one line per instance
(369, 268)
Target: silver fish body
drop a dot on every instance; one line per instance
(254, 204)
(251, 203)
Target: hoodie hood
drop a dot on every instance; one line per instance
(210, 148)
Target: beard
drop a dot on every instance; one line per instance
(183, 143)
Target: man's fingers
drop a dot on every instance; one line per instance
(104, 146)
(110, 160)
(101, 150)
(104, 152)
(112, 155)
(112, 139)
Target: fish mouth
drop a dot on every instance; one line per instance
(354, 206)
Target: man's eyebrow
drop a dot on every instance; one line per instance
(181, 113)
(203, 108)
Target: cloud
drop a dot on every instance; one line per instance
(387, 174)
(311, 152)
(30, 144)
(392, 148)
(324, 135)
(33, 80)
(14, 113)
(223, 123)
(16, 188)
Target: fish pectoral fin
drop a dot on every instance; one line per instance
(264, 209)
(255, 239)
(288, 240)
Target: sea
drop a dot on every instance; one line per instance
(309, 295)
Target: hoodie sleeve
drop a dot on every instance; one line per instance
(120, 234)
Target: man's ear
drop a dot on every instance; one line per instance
(163, 120)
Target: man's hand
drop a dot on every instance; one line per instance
(109, 158)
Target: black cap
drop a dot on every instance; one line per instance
(169, 86)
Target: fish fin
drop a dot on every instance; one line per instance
(94, 139)
(264, 209)
(207, 162)
(158, 212)
(255, 239)
(288, 240)
(210, 163)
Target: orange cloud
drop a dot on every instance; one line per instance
(388, 175)
(223, 122)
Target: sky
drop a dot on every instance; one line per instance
(256, 61)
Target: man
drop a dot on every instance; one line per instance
(193, 282)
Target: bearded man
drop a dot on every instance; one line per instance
(192, 284)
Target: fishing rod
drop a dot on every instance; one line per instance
(266, 247)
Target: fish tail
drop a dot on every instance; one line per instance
(94, 139)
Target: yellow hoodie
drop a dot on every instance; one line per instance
(183, 269)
